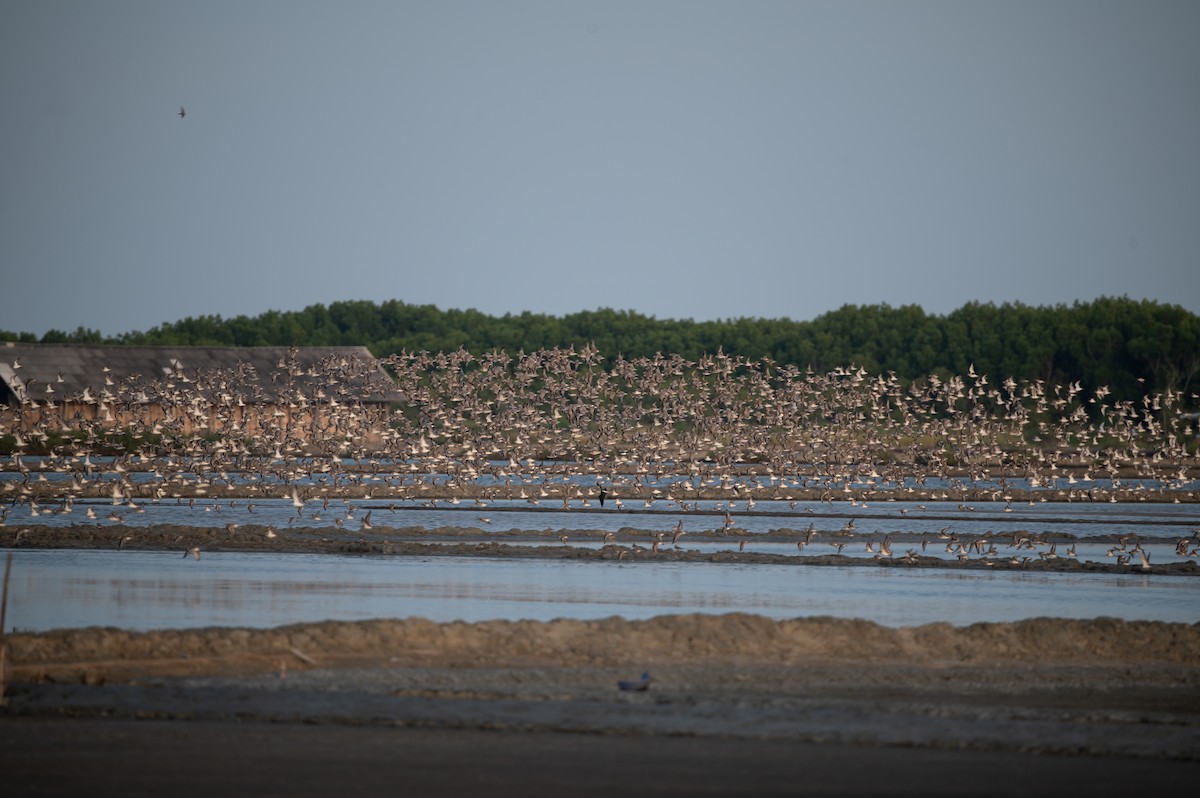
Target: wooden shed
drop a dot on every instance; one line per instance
(273, 392)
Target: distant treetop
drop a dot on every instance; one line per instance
(1130, 346)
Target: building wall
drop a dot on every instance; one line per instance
(275, 424)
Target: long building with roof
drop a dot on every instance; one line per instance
(270, 391)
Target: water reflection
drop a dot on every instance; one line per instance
(147, 590)
(1082, 520)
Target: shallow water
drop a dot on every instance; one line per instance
(148, 590)
(1082, 520)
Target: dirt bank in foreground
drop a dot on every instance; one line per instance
(1101, 687)
(678, 639)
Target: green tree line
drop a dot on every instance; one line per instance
(1132, 346)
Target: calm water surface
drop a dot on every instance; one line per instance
(1080, 519)
(148, 590)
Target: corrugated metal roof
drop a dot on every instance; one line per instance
(70, 369)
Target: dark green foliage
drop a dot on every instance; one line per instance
(1110, 341)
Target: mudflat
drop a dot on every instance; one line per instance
(631, 545)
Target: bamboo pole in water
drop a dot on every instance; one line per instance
(3, 643)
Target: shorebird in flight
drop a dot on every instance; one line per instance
(182, 112)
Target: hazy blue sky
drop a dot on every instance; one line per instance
(682, 159)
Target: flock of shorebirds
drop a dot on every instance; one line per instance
(666, 414)
(533, 425)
